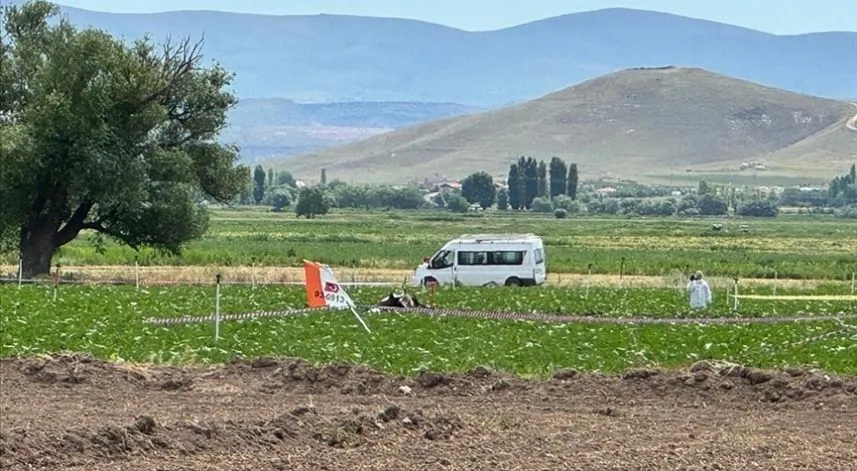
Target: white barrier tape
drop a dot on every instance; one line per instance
(505, 315)
(229, 317)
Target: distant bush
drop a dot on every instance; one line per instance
(759, 208)
(848, 212)
(569, 205)
(280, 198)
(560, 213)
(457, 204)
(541, 205)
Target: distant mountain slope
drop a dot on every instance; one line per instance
(327, 58)
(634, 123)
(266, 127)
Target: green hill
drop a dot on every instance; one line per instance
(646, 124)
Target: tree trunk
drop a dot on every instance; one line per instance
(37, 251)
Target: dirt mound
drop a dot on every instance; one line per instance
(72, 411)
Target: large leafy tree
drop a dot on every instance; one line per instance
(479, 188)
(105, 136)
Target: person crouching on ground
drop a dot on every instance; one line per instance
(700, 292)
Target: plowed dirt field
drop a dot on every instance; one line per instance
(73, 412)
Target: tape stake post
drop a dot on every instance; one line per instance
(136, 274)
(735, 296)
(588, 280)
(622, 268)
(252, 272)
(852, 282)
(217, 308)
(56, 281)
(21, 272)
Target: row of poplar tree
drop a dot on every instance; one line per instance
(529, 179)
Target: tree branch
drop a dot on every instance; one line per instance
(177, 62)
(99, 226)
(74, 225)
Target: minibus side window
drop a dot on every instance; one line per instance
(472, 258)
(511, 257)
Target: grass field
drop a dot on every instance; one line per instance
(106, 322)
(797, 247)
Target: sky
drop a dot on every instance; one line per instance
(772, 16)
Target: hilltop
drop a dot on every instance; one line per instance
(335, 58)
(642, 123)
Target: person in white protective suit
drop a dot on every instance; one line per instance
(700, 292)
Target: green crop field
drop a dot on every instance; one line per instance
(800, 247)
(107, 322)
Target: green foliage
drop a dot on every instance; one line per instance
(258, 184)
(641, 207)
(530, 178)
(541, 204)
(711, 205)
(804, 199)
(457, 204)
(703, 188)
(516, 187)
(280, 198)
(105, 322)
(560, 213)
(843, 189)
(759, 208)
(312, 202)
(609, 206)
(565, 202)
(572, 182)
(479, 188)
(558, 173)
(503, 199)
(284, 178)
(543, 180)
(100, 135)
(847, 212)
(379, 196)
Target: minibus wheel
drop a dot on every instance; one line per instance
(513, 281)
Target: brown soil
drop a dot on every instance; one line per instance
(72, 412)
(246, 274)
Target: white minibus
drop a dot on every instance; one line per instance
(486, 260)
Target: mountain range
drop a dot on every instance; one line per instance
(310, 82)
(336, 58)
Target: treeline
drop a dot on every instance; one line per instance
(530, 179)
(533, 185)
